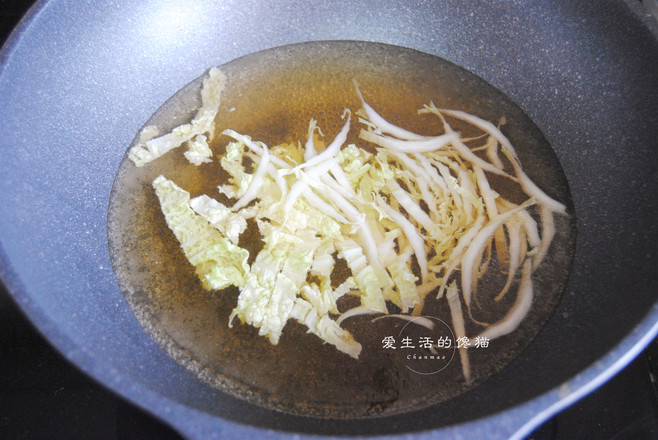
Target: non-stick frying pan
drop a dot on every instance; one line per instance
(78, 79)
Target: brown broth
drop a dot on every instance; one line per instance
(271, 96)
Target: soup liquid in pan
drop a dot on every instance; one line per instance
(271, 96)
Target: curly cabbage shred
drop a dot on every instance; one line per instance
(195, 134)
(409, 215)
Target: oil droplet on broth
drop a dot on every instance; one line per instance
(271, 96)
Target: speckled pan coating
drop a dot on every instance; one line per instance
(79, 78)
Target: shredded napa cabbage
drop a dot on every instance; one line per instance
(196, 133)
(218, 262)
(406, 214)
(219, 216)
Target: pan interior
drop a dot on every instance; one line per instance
(271, 96)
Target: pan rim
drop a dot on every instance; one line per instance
(516, 423)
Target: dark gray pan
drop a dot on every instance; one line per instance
(78, 79)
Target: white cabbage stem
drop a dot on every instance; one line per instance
(416, 146)
(459, 326)
(519, 310)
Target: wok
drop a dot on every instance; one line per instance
(78, 79)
